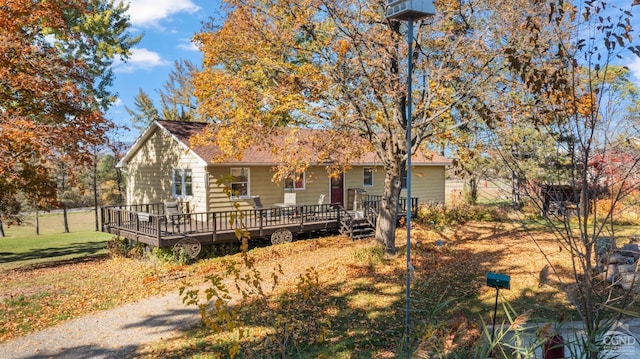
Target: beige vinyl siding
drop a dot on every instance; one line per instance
(353, 178)
(218, 199)
(317, 183)
(261, 184)
(150, 172)
(427, 183)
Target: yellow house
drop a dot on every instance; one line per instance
(161, 166)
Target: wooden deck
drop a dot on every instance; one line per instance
(147, 223)
(157, 229)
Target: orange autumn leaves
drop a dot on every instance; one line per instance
(53, 73)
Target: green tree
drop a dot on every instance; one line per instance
(144, 113)
(55, 71)
(572, 132)
(471, 144)
(176, 96)
(177, 100)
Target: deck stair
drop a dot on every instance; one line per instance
(356, 227)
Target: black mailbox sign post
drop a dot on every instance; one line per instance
(497, 281)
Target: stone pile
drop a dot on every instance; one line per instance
(620, 266)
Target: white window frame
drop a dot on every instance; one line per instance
(364, 177)
(403, 178)
(292, 185)
(182, 180)
(247, 175)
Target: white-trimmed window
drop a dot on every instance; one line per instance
(295, 181)
(367, 176)
(182, 182)
(240, 182)
(403, 178)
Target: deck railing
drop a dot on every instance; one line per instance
(151, 208)
(124, 217)
(150, 224)
(373, 202)
(253, 218)
(149, 220)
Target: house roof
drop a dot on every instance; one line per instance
(182, 132)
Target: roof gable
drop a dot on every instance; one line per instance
(177, 136)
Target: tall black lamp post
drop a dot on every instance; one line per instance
(409, 10)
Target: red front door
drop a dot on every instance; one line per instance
(337, 189)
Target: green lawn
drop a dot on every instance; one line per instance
(22, 246)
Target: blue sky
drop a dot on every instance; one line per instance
(168, 26)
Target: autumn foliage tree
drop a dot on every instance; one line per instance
(341, 66)
(570, 142)
(55, 59)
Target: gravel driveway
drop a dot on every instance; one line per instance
(108, 334)
(119, 332)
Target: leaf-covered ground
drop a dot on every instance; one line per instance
(36, 297)
(336, 298)
(357, 308)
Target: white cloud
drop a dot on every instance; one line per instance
(188, 45)
(634, 67)
(141, 59)
(148, 13)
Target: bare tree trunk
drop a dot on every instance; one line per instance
(387, 218)
(516, 183)
(473, 190)
(63, 188)
(119, 176)
(66, 219)
(37, 220)
(95, 188)
(1, 229)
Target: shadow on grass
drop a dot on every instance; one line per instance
(81, 249)
(359, 317)
(84, 351)
(360, 313)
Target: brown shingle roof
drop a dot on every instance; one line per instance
(260, 156)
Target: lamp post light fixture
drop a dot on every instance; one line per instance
(409, 10)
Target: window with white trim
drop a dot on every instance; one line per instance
(403, 178)
(295, 181)
(240, 182)
(367, 176)
(182, 182)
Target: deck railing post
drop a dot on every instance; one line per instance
(215, 226)
(159, 222)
